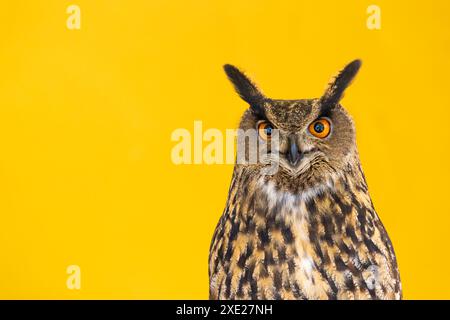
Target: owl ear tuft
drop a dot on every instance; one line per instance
(335, 89)
(246, 89)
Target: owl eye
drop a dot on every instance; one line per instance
(265, 130)
(320, 128)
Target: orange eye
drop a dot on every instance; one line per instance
(320, 128)
(265, 130)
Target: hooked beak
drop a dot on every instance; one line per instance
(293, 155)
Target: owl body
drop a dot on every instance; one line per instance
(309, 230)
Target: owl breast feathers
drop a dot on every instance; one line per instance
(307, 230)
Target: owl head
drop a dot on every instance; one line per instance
(315, 137)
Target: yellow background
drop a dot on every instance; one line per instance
(86, 117)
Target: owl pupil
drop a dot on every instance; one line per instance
(319, 127)
(268, 130)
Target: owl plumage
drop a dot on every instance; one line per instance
(309, 230)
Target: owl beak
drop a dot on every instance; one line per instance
(294, 155)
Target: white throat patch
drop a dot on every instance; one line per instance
(290, 201)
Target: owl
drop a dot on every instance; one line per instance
(309, 230)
